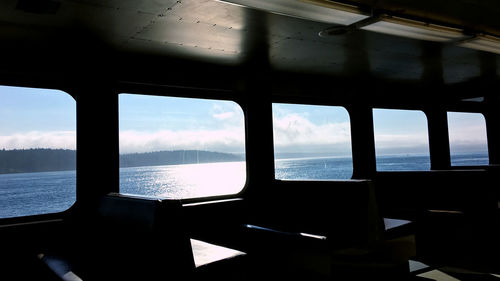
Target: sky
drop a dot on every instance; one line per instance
(400, 132)
(311, 129)
(467, 132)
(36, 118)
(154, 123)
(41, 118)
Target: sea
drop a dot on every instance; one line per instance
(24, 194)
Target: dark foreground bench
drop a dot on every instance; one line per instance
(456, 214)
(326, 230)
(129, 239)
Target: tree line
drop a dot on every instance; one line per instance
(36, 160)
(176, 157)
(45, 159)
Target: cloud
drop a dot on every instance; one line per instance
(468, 135)
(417, 143)
(37, 139)
(463, 138)
(468, 138)
(296, 133)
(218, 127)
(386, 141)
(222, 140)
(228, 112)
(224, 115)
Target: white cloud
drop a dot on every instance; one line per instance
(417, 143)
(295, 133)
(400, 140)
(468, 135)
(228, 112)
(468, 138)
(37, 139)
(224, 115)
(463, 138)
(223, 140)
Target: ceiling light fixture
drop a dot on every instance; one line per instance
(316, 10)
(482, 42)
(415, 29)
(344, 29)
(347, 18)
(478, 99)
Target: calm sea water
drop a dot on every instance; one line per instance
(313, 168)
(27, 194)
(36, 193)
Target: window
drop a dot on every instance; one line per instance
(37, 151)
(468, 140)
(311, 142)
(401, 140)
(181, 147)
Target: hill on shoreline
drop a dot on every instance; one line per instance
(176, 157)
(36, 160)
(47, 160)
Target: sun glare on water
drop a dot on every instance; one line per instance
(184, 181)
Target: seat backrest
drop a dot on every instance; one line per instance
(346, 212)
(469, 191)
(142, 238)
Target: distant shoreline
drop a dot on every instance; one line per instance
(176, 157)
(295, 156)
(312, 158)
(56, 160)
(36, 160)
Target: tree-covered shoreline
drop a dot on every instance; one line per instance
(176, 157)
(46, 160)
(36, 160)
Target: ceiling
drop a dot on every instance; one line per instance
(43, 35)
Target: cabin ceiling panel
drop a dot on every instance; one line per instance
(356, 53)
(211, 12)
(284, 56)
(148, 7)
(111, 22)
(191, 40)
(294, 45)
(381, 57)
(192, 34)
(205, 30)
(459, 65)
(222, 33)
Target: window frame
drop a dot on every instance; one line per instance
(416, 109)
(305, 103)
(484, 117)
(50, 217)
(186, 93)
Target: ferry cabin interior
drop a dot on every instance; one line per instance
(432, 56)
